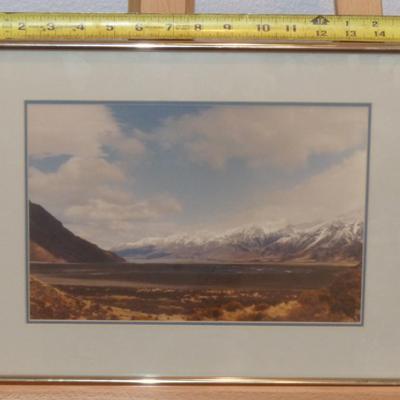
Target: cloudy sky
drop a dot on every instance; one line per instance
(119, 172)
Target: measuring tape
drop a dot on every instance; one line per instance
(116, 27)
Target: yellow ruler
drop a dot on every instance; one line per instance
(116, 27)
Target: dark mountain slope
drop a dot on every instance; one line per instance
(50, 241)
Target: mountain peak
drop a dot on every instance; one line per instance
(338, 240)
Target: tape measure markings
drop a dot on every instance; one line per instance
(91, 27)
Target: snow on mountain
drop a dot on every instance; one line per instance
(339, 241)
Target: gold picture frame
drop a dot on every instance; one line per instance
(172, 45)
(201, 47)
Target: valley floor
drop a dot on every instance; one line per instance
(336, 300)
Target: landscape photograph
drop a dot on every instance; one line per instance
(196, 212)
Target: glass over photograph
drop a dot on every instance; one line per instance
(196, 212)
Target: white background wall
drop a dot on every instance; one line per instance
(249, 6)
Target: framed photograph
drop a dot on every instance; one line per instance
(188, 216)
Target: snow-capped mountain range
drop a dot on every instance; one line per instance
(336, 241)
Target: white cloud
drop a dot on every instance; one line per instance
(92, 197)
(101, 210)
(280, 136)
(76, 130)
(95, 196)
(336, 191)
(109, 222)
(77, 180)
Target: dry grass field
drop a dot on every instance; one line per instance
(338, 302)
